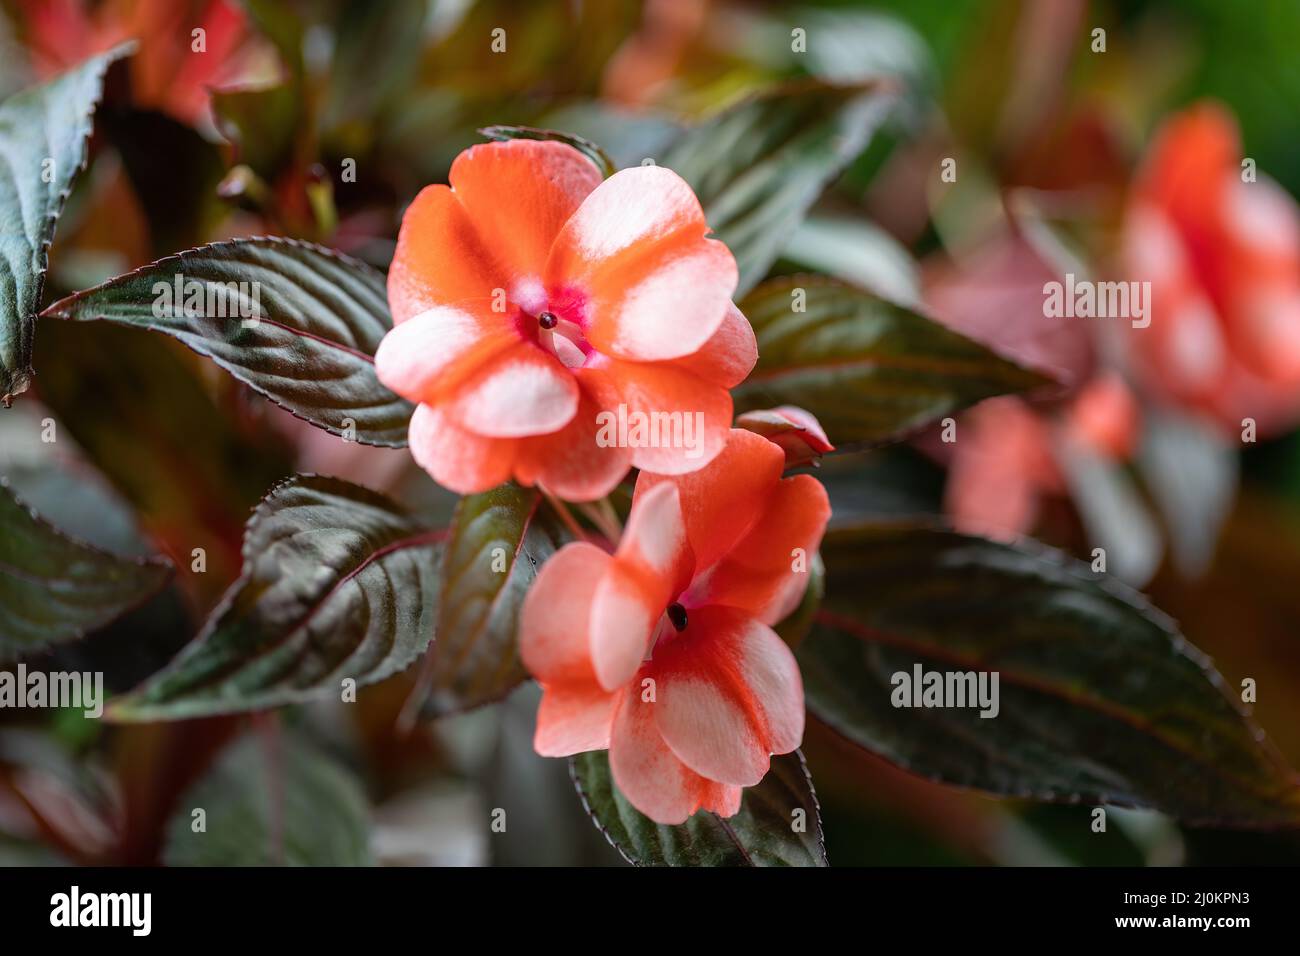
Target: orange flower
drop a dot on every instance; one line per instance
(663, 652)
(167, 73)
(530, 297)
(1223, 259)
(1006, 460)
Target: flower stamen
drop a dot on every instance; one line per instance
(677, 615)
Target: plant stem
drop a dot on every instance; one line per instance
(601, 513)
(565, 515)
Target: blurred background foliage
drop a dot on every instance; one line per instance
(158, 452)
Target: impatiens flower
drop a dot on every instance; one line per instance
(796, 431)
(1006, 460)
(663, 652)
(535, 305)
(1221, 250)
(168, 73)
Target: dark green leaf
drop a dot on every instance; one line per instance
(43, 135)
(585, 146)
(1101, 700)
(760, 165)
(55, 589)
(868, 369)
(322, 316)
(192, 474)
(499, 540)
(271, 802)
(376, 56)
(763, 833)
(337, 584)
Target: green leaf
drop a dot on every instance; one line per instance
(859, 252)
(758, 166)
(762, 834)
(193, 474)
(43, 135)
(297, 322)
(337, 584)
(499, 540)
(375, 59)
(585, 146)
(272, 802)
(1101, 700)
(867, 368)
(55, 589)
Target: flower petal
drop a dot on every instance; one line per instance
(520, 391)
(574, 718)
(456, 458)
(440, 258)
(553, 632)
(654, 545)
(759, 575)
(656, 287)
(575, 713)
(519, 194)
(676, 422)
(625, 614)
(430, 352)
(570, 463)
(722, 499)
(651, 777)
(729, 356)
(730, 695)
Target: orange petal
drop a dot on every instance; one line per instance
(520, 391)
(456, 458)
(553, 632)
(574, 718)
(518, 195)
(730, 696)
(571, 463)
(625, 614)
(759, 575)
(652, 778)
(671, 421)
(724, 498)
(655, 287)
(654, 545)
(997, 471)
(430, 352)
(729, 356)
(575, 713)
(440, 258)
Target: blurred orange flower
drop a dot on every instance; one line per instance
(168, 73)
(1221, 249)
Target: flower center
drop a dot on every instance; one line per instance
(562, 337)
(677, 615)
